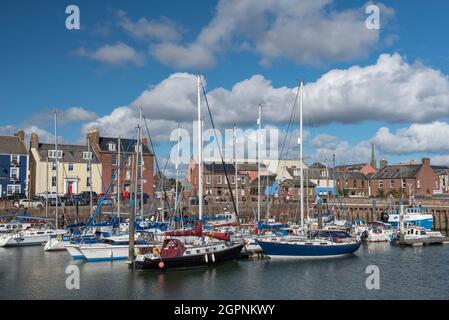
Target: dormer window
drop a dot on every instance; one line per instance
(112, 146)
(87, 155)
(52, 154)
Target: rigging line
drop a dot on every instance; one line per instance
(97, 212)
(155, 157)
(219, 150)
(288, 133)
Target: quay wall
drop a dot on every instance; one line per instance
(363, 209)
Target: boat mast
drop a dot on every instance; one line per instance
(141, 164)
(119, 170)
(259, 122)
(57, 165)
(236, 171)
(46, 192)
(301, 158)
(200, 152)
(89, 155)
(177, 173)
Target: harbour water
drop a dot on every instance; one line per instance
(405, 273)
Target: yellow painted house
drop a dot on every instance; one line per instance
(72, 174)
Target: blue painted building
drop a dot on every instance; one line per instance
(14, 165)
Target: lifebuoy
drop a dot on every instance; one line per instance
(58, 237)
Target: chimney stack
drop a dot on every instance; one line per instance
(21, 135)
(425, 162)
(383, 163)
(94, 136)
(34, 141)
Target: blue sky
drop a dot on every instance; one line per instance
(45, 66)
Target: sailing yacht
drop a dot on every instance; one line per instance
(29, 237)
(310, 245)
(205, 251)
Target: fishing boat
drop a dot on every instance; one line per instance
(312, 245)
(414, 214)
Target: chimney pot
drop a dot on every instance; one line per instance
(34, 141)
(383, 163)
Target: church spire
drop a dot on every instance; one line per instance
(373, 157)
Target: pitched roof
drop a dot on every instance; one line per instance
(126, 144)
(12, 145)
(350, 175)
(249, 166)
(214, 167)
(70, 153)
(297, 183)
(397, 172)
(351, 167)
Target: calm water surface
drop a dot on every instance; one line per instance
(405, 273)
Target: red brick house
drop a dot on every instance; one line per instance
(214, 180)
(106, 150)
(417, 179)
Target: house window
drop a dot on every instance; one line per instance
(87, 155)
(12, 189)
(14, 174)
(88, 168)
(114, 160)
(381, 184)
(219, 179)
(88, 182)
(53, 181)
(207, 179)
(346, 183)
(233, 179)
(128, 174)
(15, 159)
(127, 161)
(53, 153)
(354, 183)
(391, 184)
(70, 166)
(112, 146)
(53, 166)
(418, 184)
(404, 183)
(114, 175)
(243, 179)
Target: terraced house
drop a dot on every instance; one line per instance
(14, 164)
(406, 179)
(71, 173)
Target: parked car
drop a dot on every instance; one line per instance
(106, 201)
(25, 203)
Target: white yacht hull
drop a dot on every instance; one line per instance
(28, 239)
